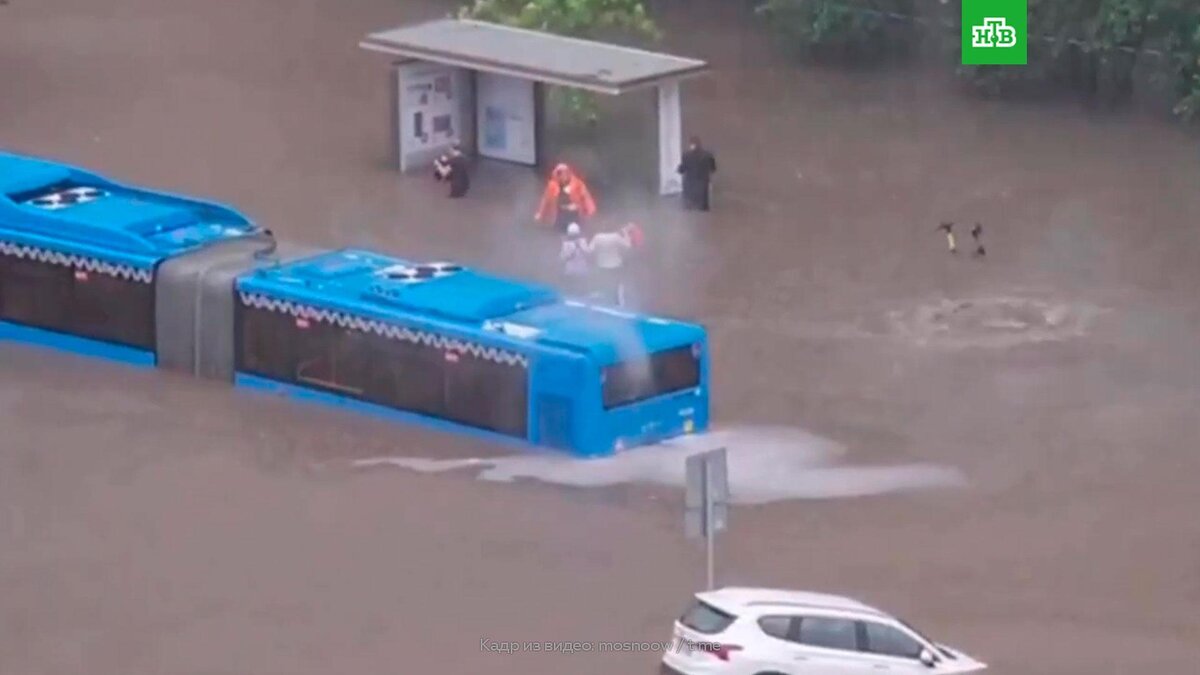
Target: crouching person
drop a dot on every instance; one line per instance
(453, 169)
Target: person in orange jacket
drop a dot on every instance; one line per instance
(566, 200)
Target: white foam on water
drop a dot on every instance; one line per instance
(997, 322)
(766, 464)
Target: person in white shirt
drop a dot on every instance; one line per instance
(574, 253)
(608, 254)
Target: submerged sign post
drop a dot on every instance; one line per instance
(707, 500)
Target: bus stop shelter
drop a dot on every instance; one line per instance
(482, 85)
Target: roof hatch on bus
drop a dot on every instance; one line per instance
(454, 292)
(414, 274)
(73, 210)
(59, 196)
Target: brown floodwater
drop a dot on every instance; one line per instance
(155, 524)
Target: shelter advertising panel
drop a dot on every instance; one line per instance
(431, 117)
(506, 117)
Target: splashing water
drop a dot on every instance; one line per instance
(766, 464)
(993, 322)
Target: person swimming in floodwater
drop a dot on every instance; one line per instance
(977, 235)
(951, 243)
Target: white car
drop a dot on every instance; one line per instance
(757, 631)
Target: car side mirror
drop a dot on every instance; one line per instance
(927, 658)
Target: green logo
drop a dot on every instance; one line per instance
(995, 33)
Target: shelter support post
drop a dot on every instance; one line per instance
(394, 114)
(670, 138)
(539, 125)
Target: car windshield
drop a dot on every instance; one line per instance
(941, 650)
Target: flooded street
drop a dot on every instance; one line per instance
(155, 524)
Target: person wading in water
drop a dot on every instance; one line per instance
(697, 168)
(453, 169)
(608, 251)
(566, 200)
(575, 254)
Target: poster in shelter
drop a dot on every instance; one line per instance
(432, 102)
(506, 115)
(429, 107)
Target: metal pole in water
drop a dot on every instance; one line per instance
(197, 307)
(709, 531)
(706, 504)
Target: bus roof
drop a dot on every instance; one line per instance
(610, 334)
(368, 283)
(463, 301)
(57, 207)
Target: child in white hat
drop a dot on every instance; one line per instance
(574, 253)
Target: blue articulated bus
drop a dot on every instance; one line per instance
(110, 270)
(507, 358)
(79, 256)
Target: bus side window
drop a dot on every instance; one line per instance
(78, 302)
(265, 341)
(406, 375)
(487, 394)
(113, 309)
(34, 293)
(316, 357)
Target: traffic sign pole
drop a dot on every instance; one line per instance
(710, 531)
(706, 504)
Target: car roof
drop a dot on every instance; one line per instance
(741, 600)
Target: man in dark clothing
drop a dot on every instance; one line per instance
(697, 168)
(453, 169)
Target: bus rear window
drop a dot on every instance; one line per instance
(663, 373)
